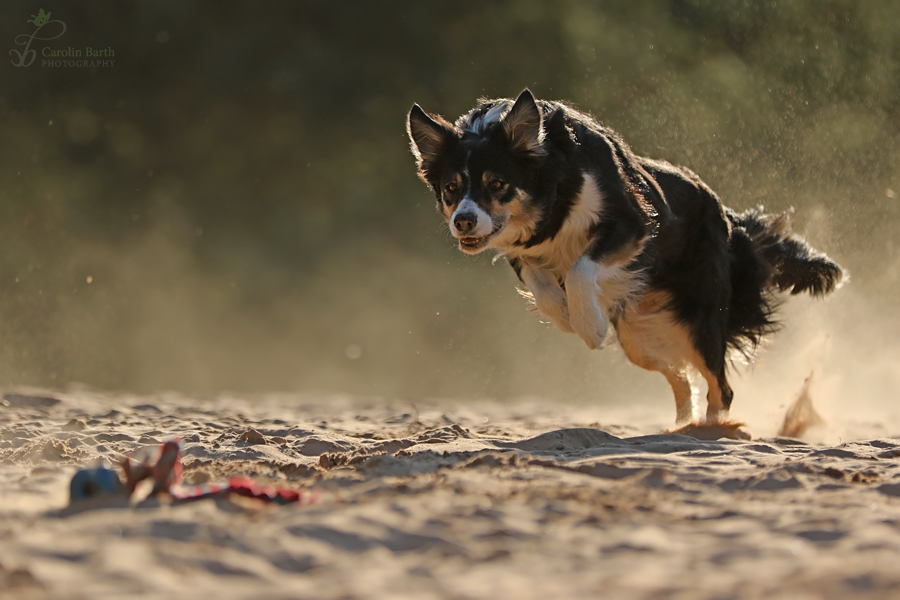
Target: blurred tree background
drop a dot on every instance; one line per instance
(233, 205)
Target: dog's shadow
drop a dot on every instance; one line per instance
(587, 441)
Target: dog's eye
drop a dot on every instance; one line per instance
(497, 184)
(450, 187)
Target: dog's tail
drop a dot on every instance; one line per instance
(793, 264)
(769, 257)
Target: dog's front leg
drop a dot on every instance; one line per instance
(549, 297)
(585, 315)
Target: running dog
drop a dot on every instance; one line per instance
(603, 237)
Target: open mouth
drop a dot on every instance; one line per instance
(474, 244)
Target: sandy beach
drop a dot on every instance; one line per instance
(440, 499)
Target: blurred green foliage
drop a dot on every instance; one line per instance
(233, 204)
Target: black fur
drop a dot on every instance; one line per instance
(718, 269)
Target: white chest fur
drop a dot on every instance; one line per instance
(557, 255)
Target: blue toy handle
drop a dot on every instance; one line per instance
(88, 484)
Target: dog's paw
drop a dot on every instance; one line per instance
(554, 307)
(593, 339)
(590, 325)
(563, 324)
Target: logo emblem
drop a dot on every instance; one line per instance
(27, 55)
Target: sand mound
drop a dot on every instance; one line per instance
(448, 500)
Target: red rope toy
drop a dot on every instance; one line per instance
(165, 474)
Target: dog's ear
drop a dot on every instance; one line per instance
(524, 126)
(428, 137)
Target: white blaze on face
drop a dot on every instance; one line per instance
(483, 223)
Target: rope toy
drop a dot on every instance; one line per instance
(165, 473)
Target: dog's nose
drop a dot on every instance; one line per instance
(465, 222)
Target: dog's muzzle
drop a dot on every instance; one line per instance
(465, 223)
(475, 244)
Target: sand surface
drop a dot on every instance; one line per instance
(441, 500)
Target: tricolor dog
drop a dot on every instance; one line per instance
(606, 240)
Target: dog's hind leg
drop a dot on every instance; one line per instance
(709, 358)
(653, 340)
(710, 361)
(684, 394)
(680, 382)
(719, 396)
(717, 425)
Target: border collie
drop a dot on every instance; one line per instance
(601, 236)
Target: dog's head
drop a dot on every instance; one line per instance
(483, 170)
